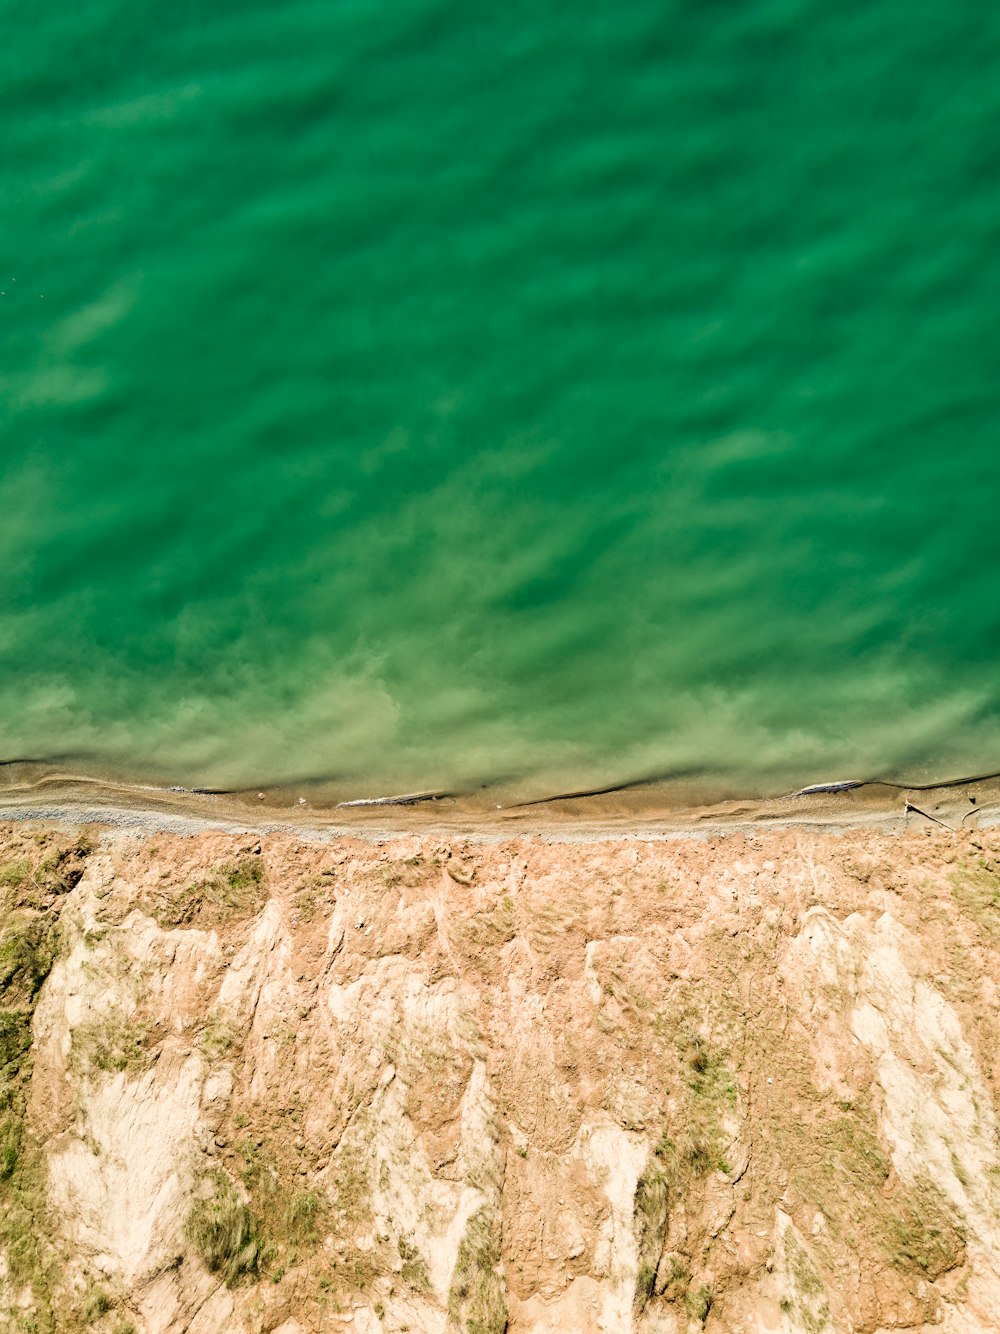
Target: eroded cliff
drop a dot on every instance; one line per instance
(740, 1084)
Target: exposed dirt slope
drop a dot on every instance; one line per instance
(745, 1084)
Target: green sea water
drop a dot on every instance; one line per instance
(428, 394)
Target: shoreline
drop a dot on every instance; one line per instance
(643, 810)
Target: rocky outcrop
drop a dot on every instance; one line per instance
(267, 1084)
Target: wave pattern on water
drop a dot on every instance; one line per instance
(426, 396)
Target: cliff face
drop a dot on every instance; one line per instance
(737, 1085)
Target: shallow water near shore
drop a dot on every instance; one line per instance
(460, 397)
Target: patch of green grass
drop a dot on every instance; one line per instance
(225, 1232)
(16, 873)
(698, 1303)
(301, 1215)
(838, 1165)
(28, 948)
(40, 885)
(29, 943)
(700, 1159)
(112, 1044)
(651, 1212)
(314, 894)
(231, 890)
(25, 959)
(352, 1184)
(959, 1169)
(645, 1281)
(241, 875)
(487, 930)
(477, 1302)
(15, 1039)
(810, 1306)
(217, 1037)
(708, 1072)
(677, 1276)
(306, 902)
(290, 1216)
(357, 1268)
(920, 1234)
(807, 1281)
(62, 870)
(976, 889)
(96, 1303)
(676, 1163)
(24, 1221)
(553, 922)
(711, 1090)
(414, 1272)
(11, 1136)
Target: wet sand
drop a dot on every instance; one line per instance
(38, 792)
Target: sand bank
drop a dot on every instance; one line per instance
(34, 791)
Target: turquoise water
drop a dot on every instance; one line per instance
(428, 394)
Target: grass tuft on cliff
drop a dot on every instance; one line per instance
(651, 1214)
(225, 1231)
(976, 889)
(231, 891)
(29, 945)
(477, 1302)
(39, 884)
(290, 1215)
(113, 1044)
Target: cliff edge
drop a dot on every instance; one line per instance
(737, 1084)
